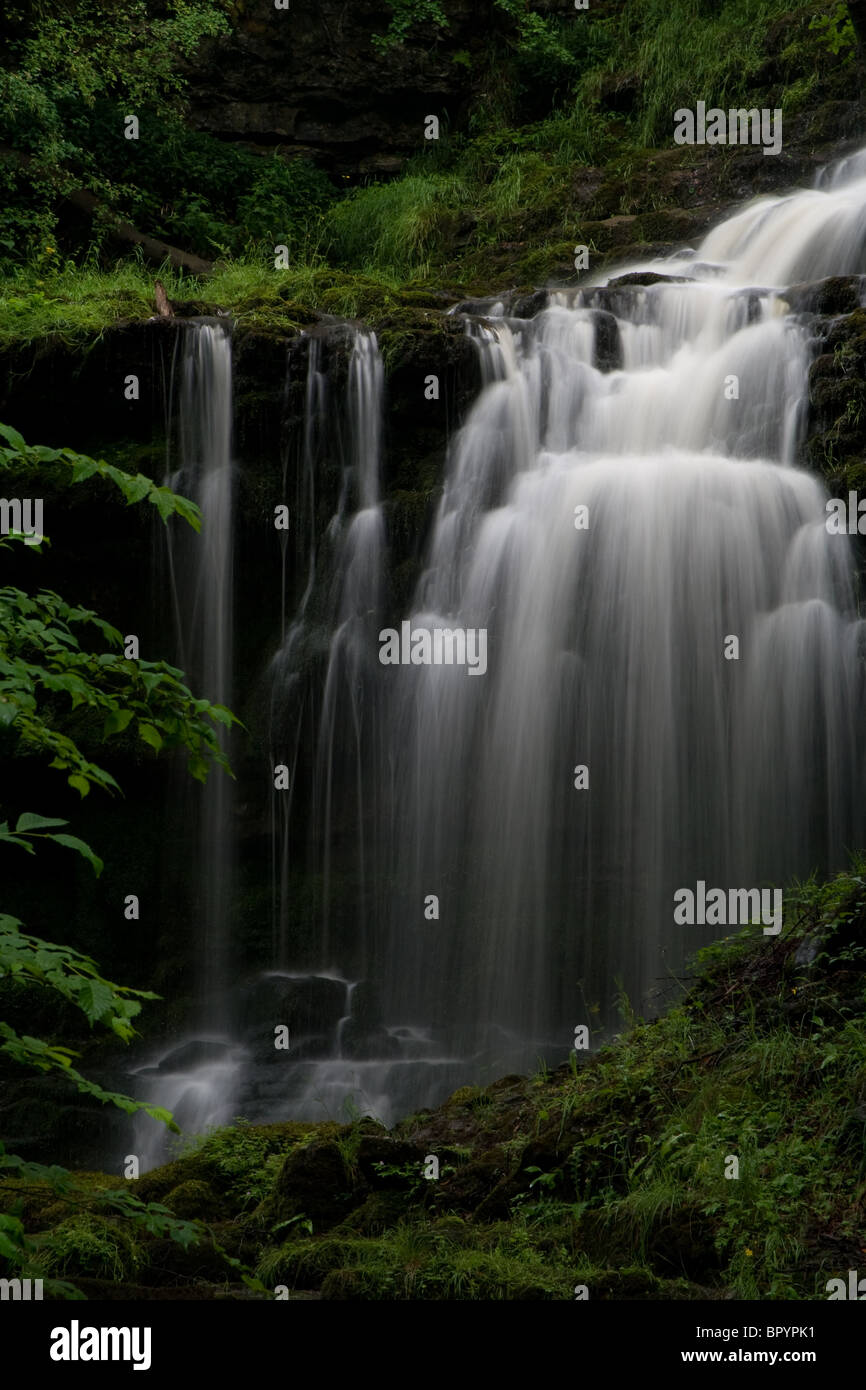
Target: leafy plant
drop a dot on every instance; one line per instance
(405, 15)
(50, 685)
(835, 30)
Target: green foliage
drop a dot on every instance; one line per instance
(99, 1238)
(834, 31)
(405, 15)
(202, 194)
(444, 1260)
(43, 664)
(72, 975)
(726, 49)
(85, 48)
(30, 827)
(394, 228)
(242, 1160)
(58, 64)
(54, 697)
(76, 978)
(17, 454)
(20, 1253)
(41, 661)
(541, 43)
(89, 1246)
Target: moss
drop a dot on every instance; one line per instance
(91, 1245)
(235, 1166)
(465, 1095)
(378, 1213)
(195, 1200)
(610, 1172)
(305, 1263)
(836, 432)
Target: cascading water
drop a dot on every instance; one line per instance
(196, 1078)
(203, 590)
(672, 686)
(341, 1052)
(612, 530)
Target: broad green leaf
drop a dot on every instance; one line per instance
(117, 721)
(96, 999)
(137, 489)
(164, 502)
(150, 735)
(73, 842)
(28, 820)
(7, 839)
(12, 437)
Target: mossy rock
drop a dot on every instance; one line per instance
(304, 1263)
(169, 1264)
(38, 1204)
(378, 1213)
(479, 1182)
(314, 1182)
(195, 1200)
(95, 1246)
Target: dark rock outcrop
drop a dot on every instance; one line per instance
(310, 80)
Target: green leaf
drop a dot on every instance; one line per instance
(80, 783)
(150, 735)
(164, 502)
(116, 722)
(137, 489)
(198, 768)
(8, 839)
(8, 713)
(73, 842)
(12, 437)
(96, 999)
(28, 820)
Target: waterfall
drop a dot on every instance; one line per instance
(195, 1077)
(342, 1054)
(340, 632)
(612, 519)
(471, 858)
(202, 572)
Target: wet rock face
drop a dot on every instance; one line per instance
(835, 440)
(837, 294)
(310, 80)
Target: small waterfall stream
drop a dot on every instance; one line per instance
(196, 1077)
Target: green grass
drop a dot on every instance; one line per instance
(394, 229)
(79, 303)
(727, 46)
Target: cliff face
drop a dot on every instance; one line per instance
(310, 80)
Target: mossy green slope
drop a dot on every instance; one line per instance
(613, 1172)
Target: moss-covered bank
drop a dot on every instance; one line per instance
(615, 1171)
